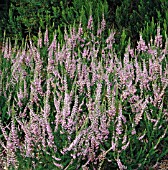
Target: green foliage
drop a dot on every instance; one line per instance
(4, 8)
(149, 30)
(54, 14)
(132, 16)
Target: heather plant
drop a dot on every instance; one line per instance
(76, 104)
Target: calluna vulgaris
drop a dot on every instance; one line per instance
(80, 101)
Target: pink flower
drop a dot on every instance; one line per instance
(103, 23)
(119, 122)
(90, 23)
(158, 38)
(141, 45)
(39, 44)
(124, 147)
(120, 165)
(46, 40)
(58, 165)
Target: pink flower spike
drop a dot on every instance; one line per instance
(103, 23)
(141, 45)
(39, 39)
(46, 40)
(58, 165)
(90, 23)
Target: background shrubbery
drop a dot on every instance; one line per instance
(130, 16)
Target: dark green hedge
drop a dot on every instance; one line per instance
(127, 17)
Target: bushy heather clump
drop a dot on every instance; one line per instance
(75, 104)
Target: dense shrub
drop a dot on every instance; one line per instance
(76, 104)
(81, 97)
(4, 8)
(132, 16)
(53, 14)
